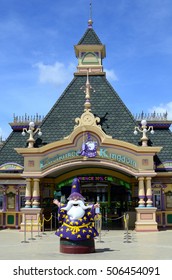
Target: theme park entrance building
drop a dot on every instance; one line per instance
(88, 134)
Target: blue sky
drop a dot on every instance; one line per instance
(37, 58)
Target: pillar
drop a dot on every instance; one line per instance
(141, 193)
(17, 198)
(28, 193)
(162, 199)
(4, 209)
(148, 192)
(36, 194)
(4, 199)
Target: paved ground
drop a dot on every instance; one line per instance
(113, 245)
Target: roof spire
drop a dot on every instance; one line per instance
(90, 22)
(87, 89)
(87, 94)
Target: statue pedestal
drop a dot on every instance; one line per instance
(30, 219)
(146, 219)
(77, 247)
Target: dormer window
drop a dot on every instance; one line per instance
(90, 58)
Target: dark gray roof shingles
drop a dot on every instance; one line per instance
(90, 38)
(116, 119)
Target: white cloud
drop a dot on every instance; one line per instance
(163, 108)
(110, 75)
(57, 73)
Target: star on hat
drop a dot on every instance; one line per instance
(75, 191)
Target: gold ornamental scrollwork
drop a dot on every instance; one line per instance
(87, 118)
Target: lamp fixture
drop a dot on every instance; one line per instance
(143, 129)
(31, 131)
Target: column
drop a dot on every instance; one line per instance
(4, 199)
(141, 192)
(4, 206)
(17, 198)
(148, 192)
(163, 207)
(162, 199)
(36, 194)
(17, 206)
(28, 193)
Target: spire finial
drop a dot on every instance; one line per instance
(87, 89)
(87, 93)
(90, 9)
(90, 22)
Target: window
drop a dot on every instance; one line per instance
(90, 58)
(11, 201)
(22, 199)
(169, 199)
(157, 202)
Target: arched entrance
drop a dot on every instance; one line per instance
(112, 189)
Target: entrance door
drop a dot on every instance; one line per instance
(114, 201)
(113, 198)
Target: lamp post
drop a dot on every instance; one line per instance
(31, 131)
(144, 129)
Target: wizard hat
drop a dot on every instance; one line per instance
(75, 190)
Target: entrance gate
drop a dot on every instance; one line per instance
(113, 194)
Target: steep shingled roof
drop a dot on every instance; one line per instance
(105, 103)
(90, 38)
(7, 153)
(60, 121)
(116, 119)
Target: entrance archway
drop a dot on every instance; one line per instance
(108, 187)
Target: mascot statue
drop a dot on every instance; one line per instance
(76, 223)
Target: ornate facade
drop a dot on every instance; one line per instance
(88, 134)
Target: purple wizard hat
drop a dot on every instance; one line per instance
(75, 190)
